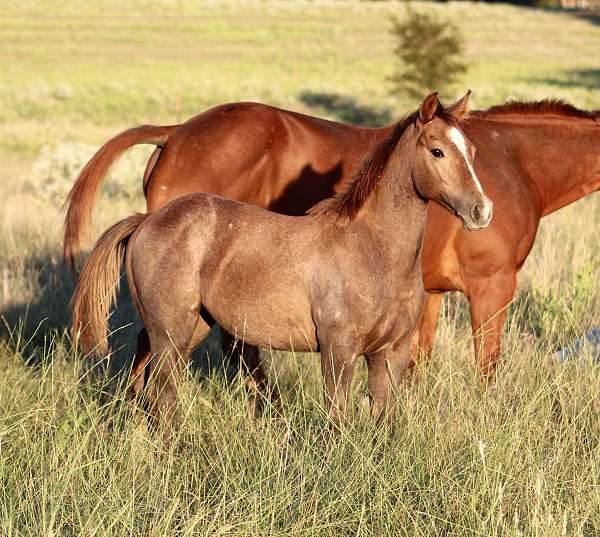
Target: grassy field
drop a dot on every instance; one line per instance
(521, 457)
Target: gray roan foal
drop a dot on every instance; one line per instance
(344, 280)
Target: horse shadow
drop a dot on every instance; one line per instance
(591, 16)
(346, 108)
(309, 188)
(574, 78)
(30, 326)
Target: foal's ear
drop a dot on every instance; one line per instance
(429, 107)
(461, 107)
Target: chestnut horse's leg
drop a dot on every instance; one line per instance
(386, 371)
(489, 299)
(257, 382)
(137, 378)
(337, 366)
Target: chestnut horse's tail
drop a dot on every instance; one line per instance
(97, 287)
(81, 199)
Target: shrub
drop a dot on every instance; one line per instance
(429, 49)
(56, 168)
(558, 315)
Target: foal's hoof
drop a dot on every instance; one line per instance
(258, 402)
(255, 406)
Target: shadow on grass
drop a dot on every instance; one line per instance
(347, 109)
(591, 16)
(574, 78)
(31, 327)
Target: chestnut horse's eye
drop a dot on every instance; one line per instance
(437, 153)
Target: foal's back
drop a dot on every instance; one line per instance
(244, 266)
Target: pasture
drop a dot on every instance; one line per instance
(520, 457)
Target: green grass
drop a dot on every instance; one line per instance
(121, 63)
(520, 457)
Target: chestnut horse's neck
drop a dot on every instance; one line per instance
(559, 154)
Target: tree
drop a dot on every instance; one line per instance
(430, 52)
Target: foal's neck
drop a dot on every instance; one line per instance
(394, 210)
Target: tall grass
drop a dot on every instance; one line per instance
(517, 458)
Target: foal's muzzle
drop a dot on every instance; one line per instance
(479, 216)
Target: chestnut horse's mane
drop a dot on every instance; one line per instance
(556, 107)
(346, 204)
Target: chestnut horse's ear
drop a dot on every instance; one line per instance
(460, 108)
(429, 108)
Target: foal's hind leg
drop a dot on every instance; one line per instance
(257, 382)
(171, 344)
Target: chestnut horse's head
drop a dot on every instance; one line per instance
(443, 166)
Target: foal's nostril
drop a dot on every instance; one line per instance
(477, 213)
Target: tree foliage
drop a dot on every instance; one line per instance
(429, 50)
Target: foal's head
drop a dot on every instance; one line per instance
(443, 165)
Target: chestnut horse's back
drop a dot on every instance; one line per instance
(265, 156)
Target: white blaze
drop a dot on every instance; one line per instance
(459, 141)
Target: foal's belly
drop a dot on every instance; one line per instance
(278, 333)
(266, 322)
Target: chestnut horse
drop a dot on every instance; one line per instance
(345, 280)
(532, 159)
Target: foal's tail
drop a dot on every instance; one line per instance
(80, 201)
(97, 287)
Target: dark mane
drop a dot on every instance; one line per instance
(556, 107)
(347, 204)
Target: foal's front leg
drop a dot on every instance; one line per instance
(337, 366)
(386, 370)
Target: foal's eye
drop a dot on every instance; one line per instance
(437, 153)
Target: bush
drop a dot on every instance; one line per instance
(557, 315)
(56, 168)
(429, 49)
